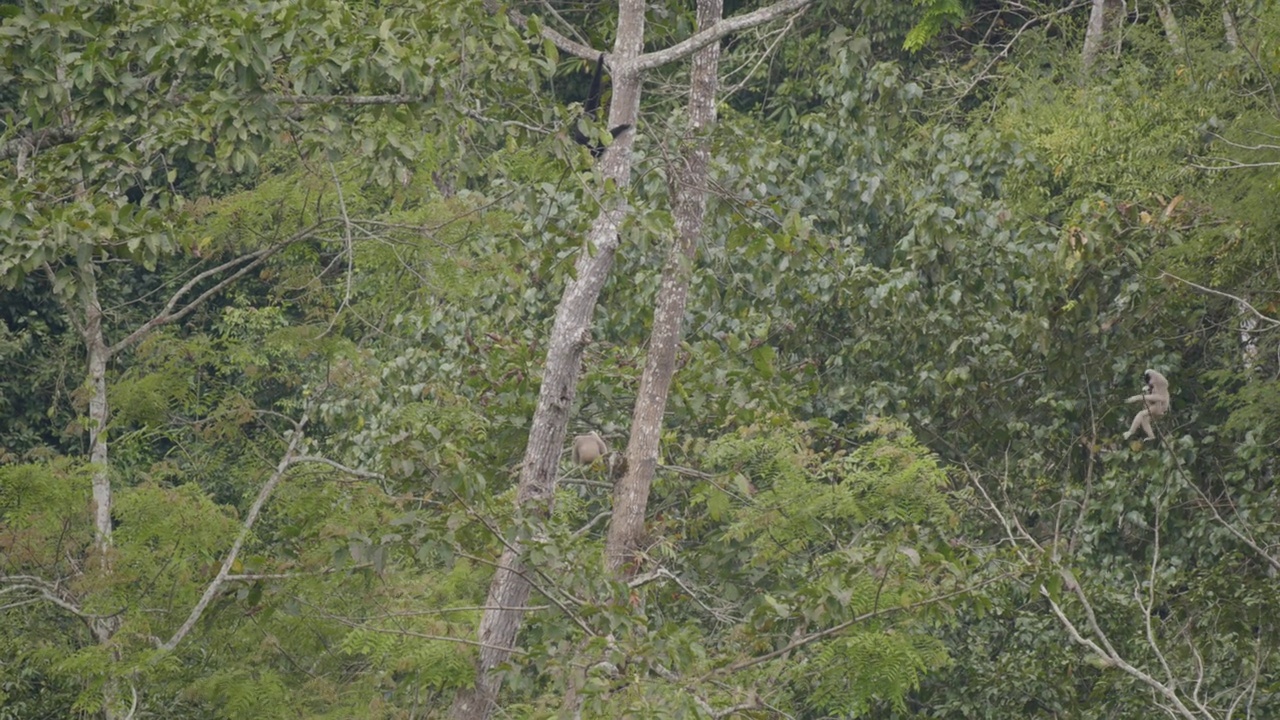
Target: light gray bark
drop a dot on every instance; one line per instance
(1171, 29)
(509, 590)
(570, 333)
(689, 201)
(1229, 25)
(1103, 33)
(97, 354)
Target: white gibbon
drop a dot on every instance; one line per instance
(588, 448)
(1155, 399)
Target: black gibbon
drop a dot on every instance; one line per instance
(591, 110)
(1155, 398)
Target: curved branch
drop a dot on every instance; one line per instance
(1229, 296)
(715, 33)
(172, 312)
(354, 472)
(290, 456)
(44, 137)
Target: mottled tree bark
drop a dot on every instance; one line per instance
(689, 201)
(509, 590)
(570, 333)
(1229, 26)
(1171, 29)
(97, 354)
(1103, 33)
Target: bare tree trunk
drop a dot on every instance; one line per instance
(689, 200)
(97, 355)
(1229, 24)
(1171, 29)
(1103, 33)
(509, 589)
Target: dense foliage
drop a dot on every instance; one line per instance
(318, 246)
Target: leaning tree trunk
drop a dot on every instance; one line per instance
(1229, 26)
(509, 589)
(1103, 33)
(1171, 30)
(689, 201)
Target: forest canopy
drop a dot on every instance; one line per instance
(468, 359)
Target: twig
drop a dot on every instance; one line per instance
(714, 33)
(354, 472)
(812, 637)
(171, 313)
(1220, 293)
(252, 517)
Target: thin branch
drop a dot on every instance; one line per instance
(1242, 146)
(44, 137)
(813, 637)
(348, 249)
(715, 33)
(404, 633)
(572, 47)
(543, 591)
(585, 482)
(46, 590)
(134, 707)
(662, 573)
(477, 115)
(172, 313)
(587, 528)
(690, 472)
(349, 100)
(1116, 661)
(1150, 602)
(518, 571)
(354, 472)
(1004, 51)
(252, 517)
(1229, 164)
(1220, 293)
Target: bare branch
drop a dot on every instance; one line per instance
(354, 472)
(1229, 164)
(1229, 296)
(252, 517)
(587, 528)
(1242, 146)
(44, 137)
(715, 33)
(172, 313)
(348, 100)
(1113, 659)
(1148, 605)
(403, 633)
(662, 573)
(813, 637)
(46, 590)
(134, 707)
(572, 47)
(1004, 51)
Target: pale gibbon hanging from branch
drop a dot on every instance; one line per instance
(588, 448)
(1155, 399)
(591, 112)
